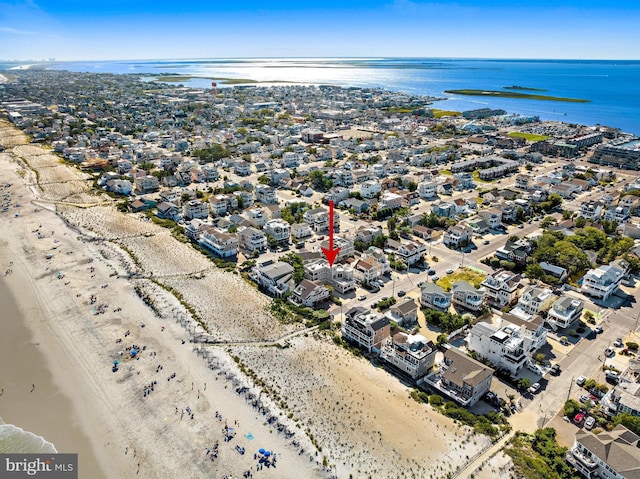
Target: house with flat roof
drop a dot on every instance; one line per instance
(611, 454)
(461, 378)
(365, 329)
(410, 354)
(565, 311)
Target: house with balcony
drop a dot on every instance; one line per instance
(602, 282)
(427, 189)
(410, 252)
(534, 300)
(218, 206)
(565, 311)
(492, 216)
(258, 217)
(611, 454)
(591, 210)
(412, 355)
(346, 247)
(252, 239)
(433, 296)
(405, 313)
(279, 230)
(461, 378)
(367, 233)
(266, 195)
(169, 211)
(365, 329)
(390, 200)
(619, 214)
(146, 184)
(340, 277)
(368, 268)
(318, 220)
(444, 209)
(300, 231)
(222, 245)
(509, 345)
(309, 294)
(502, 288)
(370, 189)
(457, 236)
(195, 209)
(464, 295)
(276, 278)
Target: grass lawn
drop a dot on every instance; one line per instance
(528, 136)
(441, 113)
(446, 172)
(461, 274)
(476, 177)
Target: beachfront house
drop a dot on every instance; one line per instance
(276, 278)
(411, 355)
(365, 329)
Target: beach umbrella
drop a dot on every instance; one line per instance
(116, 362)
(261, 450)
(267, 453)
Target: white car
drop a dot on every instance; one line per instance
(580, 380)
(362, 297)
(534, 388)
(590, 422)
(449, 271)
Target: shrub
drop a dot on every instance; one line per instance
(436, 400)
(631, 346)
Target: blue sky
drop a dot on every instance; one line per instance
(103, 30)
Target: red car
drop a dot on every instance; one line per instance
(579, 417)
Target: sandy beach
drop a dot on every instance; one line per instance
(81, 273)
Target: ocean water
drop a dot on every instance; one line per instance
(611, 86)
(16, 440)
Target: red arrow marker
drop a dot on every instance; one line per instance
(330, 253)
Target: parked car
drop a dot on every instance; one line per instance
(598, 330)
(578, 418)
(401, 293)
(590, 422)
(431, 272)
(555, 369)
(435, 278)
(362, 297)
(580, 380)
(449, 271)
(490, 397)
(535, 387)
(618, 343)
(374, 305)
(611, 376)
(609, 352)
(485, 242)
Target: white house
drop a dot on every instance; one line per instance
(366, 329)
(502, 288)
(308, 293)
(221, 244)
(279, 230)
(457, 235)
(463, 294)
(369, 189)
(602, 282)
(252, 239)
(565, 311)
(195, 209)
(411, 354)
(276, 278)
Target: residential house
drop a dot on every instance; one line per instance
(611, 454)
(340, 277)
(266, 195)
(169, 211)
(565, 312)
(624, 398)
(532, 301)
(146, 184)
(458, 236)
(275, 278)
(427, 189)
(463, 294)
(308, 293)
(365, 329)
(492, 216)
(461, 378)
(502, 288)
(390, 200)
(279, 230)
(410, 252)
(119, 187)
(412, 355)
(318, 219)
(222, 245)
(602, 282)
(252, 239)
(346, 247)
(258, 217)
(444, 209)
(218, 205)
(553, 270)
(300, 231)
(367, 269)
(367, 233)
(195, 209)
(405, 313)
(516, 251)
(510, 345)
(370, 188)
(619, 214)
(433, 296)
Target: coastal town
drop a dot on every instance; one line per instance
(486, 278)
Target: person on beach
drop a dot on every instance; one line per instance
(33, 387)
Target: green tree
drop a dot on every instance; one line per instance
(214, 152)
(319, 181)
(295, 260)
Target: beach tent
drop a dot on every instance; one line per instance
(267, 453)
(261, 450)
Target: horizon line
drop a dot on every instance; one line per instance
(345, 58)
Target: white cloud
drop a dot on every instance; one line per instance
(16, 31)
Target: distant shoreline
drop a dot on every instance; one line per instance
(510, 94)
(225, 81)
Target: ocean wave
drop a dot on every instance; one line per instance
(16, 440)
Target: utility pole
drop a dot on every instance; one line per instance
(570, 386)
